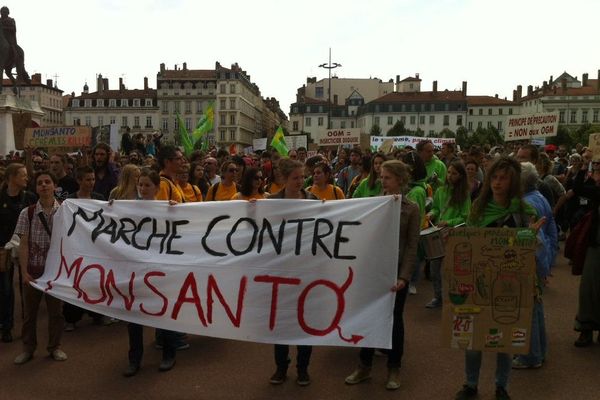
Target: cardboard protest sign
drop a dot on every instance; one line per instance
(67, 137)
(488, 285)
(594, 146)
(335, 137)
(519, 127)
(269, 271)
(293, 142)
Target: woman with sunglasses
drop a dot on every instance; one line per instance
(227, 188)
(251, 186)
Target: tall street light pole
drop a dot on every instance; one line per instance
(329, 66)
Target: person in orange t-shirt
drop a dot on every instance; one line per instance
(227, 188)
(171, 162)
(321, 186)
(251, 185)
(191, 193)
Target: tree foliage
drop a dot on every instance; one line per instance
(375, 130)
(397, 130)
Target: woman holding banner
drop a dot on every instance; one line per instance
(293, 175)
(395, 177)
(500, 204)
(251, 186)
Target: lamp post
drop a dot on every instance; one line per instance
(329, 66)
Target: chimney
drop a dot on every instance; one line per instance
(545, 87)
(434, 87)
(563, 85)
(145, 83)
(36, 78)
(162, 68)
(335, 99)
(397, 79)
(185, 66)
(529, 90)
(598, 82)
(464, 88)
(584, 79)
(515, 95)
(496, 95)
(417, 75)
(105, 83)
(551, 80)
(49, 82)
(99, 84)
(519, 92)
(121, 87)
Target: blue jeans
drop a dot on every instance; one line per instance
(473, 365)
(539, 344)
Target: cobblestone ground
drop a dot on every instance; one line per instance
(223, 369)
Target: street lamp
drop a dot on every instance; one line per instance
(329, 66)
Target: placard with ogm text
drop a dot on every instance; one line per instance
(488, 285)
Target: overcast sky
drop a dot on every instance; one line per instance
(494, 45)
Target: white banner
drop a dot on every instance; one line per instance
(335, 137)
(401, 141)
(530, 126)
(269, 271)
(259, 144)
(294, 141)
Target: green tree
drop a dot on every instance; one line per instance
(397, 130)
(462, 137)
(419, 132)
(447, 133)
(375, 130)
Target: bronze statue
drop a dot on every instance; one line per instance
(11, 54)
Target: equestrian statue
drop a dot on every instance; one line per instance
(11, 54)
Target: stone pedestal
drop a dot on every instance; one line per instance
(13, 106)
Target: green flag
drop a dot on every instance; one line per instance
(186, 142)
(278, 142)
(206, 122)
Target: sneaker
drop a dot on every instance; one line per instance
(434, 303)
(393, 381)
(585, 339)
(182, 346)
(58, 355)
(360, 374)
(412, 289)
(518, 364)
(278, 377)
(131, 370)
(69, 327)
(501, 393)
(467, 392)
(106, 321)
(303, 378)
(166, 364)
(23, 358)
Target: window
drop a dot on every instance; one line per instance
(176, 106)
(222, 135)
(431, 132)
(88, 121)
(459, 120)
(413, 120)
(351, 124)
(561, 117)
(113, 119)
(222, 88)
(470, 126)
(489, 124)
(223, 119)
(231, 119)
(446, 107)
(471, 111)
(188, 107)
(403, 120)
(390, 120)
(343, 124)
(500, 111)
(490, 111)
(124, 121)
(148, 103)
(165, 107)
(499, 125)
(320, 121)
(376, 121)
(75, 103)
(446, 120)
(148, 122)
(573, 116)
(595, 115)
(100, 103)
(76, 121)
(88, 102)
(124, 103)
(199, 107)
(100, 121)
(481, 111)
(136, 102)
(232, 103)
(223, 104)
(232, 89)
(431, 119)
(295, 125)
(165, 125)
(308, 122)
(422, 120)
(176, 124)
(136, 122)
(232, 135)
(584, 116)
(188, 124)
(479, 125)
(510, 111)
(318, 92)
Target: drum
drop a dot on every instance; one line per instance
(432, 241)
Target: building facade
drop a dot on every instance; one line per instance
(136, 109)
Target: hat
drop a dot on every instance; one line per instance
(550, 147)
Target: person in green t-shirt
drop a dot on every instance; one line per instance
(371, 186)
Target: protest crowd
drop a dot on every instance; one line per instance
(552, 189)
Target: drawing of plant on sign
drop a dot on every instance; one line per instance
(483, 284)
(506, 294)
